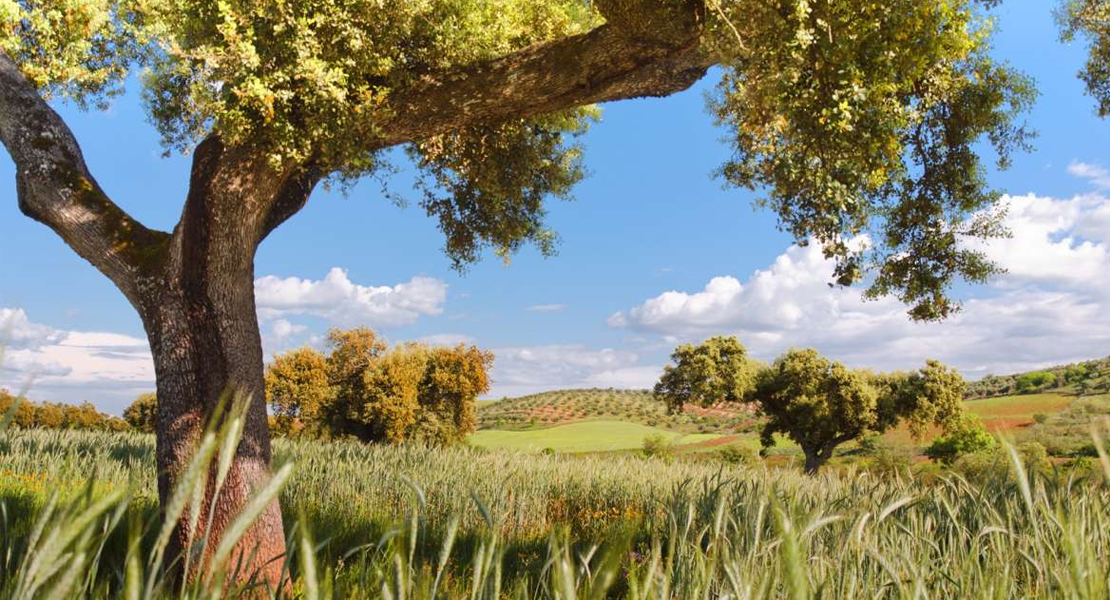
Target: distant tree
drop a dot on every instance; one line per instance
(142, 414)
(83, 416)
(414, 392)
(49, 416)
(24, 416)
(656, 445)
(1076, 373)
(717, 370)
(297, 388)
(1037, 380)
(817, 403)
(453, 380)
(821, 404)
(391, 398)
(968, 436)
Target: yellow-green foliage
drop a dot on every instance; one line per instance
(142, 414)
(848, 117)
(360, 389)
(296, 389)
(55, 415)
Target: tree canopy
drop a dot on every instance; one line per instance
(412, 392)
(717, 370)
(297, 389)
(1090, 19)
(858, 123)
(142, 414)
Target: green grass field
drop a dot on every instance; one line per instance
(604, 421)
(585, 436)
(404, 522)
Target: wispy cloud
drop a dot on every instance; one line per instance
(1098, 175)
(547, 307)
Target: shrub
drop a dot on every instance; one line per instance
(656, 446)
(968, 437)
(1034, 456)
(890, 459)
(1040, 418)
(738, 454)
(1034, 381)
(141, 414)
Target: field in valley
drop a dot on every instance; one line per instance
(599, 420)
(554, 499)
(409, 522)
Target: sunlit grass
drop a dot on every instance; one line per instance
(419, 523)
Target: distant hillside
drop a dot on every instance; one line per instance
(1083, 378)
(633, 406)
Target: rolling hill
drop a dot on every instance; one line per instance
(630, 406)
(595, 420)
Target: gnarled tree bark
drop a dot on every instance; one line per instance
(194, 288)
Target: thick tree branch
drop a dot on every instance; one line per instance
(54, 187)
(613, 62)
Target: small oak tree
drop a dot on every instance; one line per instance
(821, 404)
(717, 370)
(817, 403)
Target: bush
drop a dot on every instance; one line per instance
(890, 459)
(1036, 380)
(738, 454)
(969, 437)
(982, 466)
(656, 446)
(1034, 457)
(1040, 418)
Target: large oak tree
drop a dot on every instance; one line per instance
(848, 117)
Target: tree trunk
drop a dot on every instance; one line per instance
(814, 461)
(200, 317)
(817, 457)
(205, 344)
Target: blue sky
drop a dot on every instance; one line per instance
(654, 251)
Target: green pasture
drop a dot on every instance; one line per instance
(584, 436)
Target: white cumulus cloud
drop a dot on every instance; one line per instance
(529, 369)
(345, 303)
(1051, 306)
(108, 369)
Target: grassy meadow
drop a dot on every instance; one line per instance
(585, 436)
(597, 420)
(412, 522)
(553, 499)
